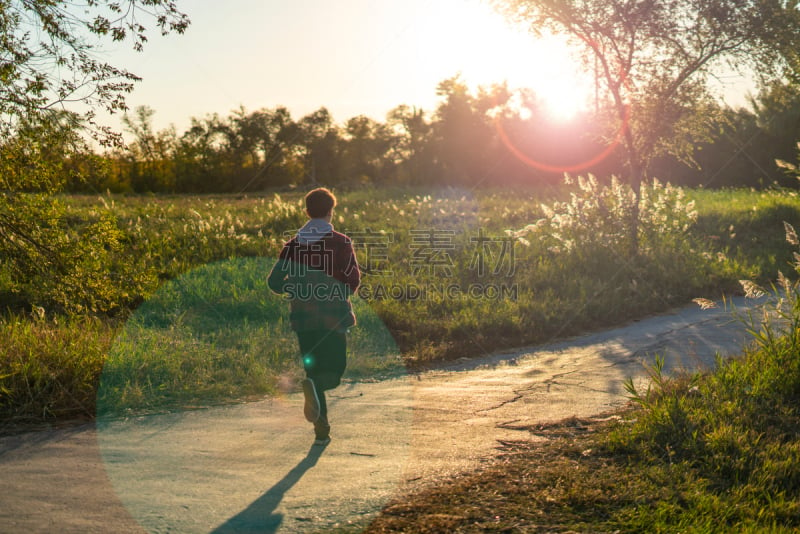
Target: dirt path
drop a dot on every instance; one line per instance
(251, 467)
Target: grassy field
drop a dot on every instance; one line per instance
(447, 273)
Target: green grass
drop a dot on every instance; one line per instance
(212, 332)
(717, 452)
(218, 333)
(50, 368)
(745, 225)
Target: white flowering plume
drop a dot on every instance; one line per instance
(603, 215)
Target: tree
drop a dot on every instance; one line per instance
(151, 154)
(778, 110)
(32, 157)
(463, 133)
(654, 59)
(411, 144)
(47, 61)
(47, 57)
(198, 165)
(744, 144)
(255, 147)
(315, 142)
(366, 150)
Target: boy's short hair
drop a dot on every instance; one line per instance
(319, 202)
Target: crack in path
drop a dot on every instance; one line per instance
(516, 397)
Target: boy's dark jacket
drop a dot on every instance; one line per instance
(318, 278)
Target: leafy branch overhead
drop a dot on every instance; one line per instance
(49, 55)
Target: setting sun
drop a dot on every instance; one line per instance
(468, 37)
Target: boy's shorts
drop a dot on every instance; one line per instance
(324, 356)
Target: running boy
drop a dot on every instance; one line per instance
(318, 271)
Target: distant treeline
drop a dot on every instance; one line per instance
(489, 136)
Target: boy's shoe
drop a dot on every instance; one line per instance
(320, 442)
(311, 408)
(322, 431)
(322, 428)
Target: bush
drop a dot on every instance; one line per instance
(733, 431)
(51, 261)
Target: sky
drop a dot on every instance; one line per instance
(354, 57)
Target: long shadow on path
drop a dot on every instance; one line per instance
(260, 516)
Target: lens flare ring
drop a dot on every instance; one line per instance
(580, 166)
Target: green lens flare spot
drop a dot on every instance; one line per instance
(308, 360)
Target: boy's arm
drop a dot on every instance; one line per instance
(351, 271)
(280, 271)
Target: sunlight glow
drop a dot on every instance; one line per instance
(471, 39)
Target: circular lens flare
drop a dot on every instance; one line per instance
(555, 168)
(527, 159)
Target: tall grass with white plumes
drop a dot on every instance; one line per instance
(584, 242)
(599, 217)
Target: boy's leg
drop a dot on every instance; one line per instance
(324, 356)
(331, 360)
(312, 406)
(324, 360)
(331, 365)
(322, 428)
(308, 341)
